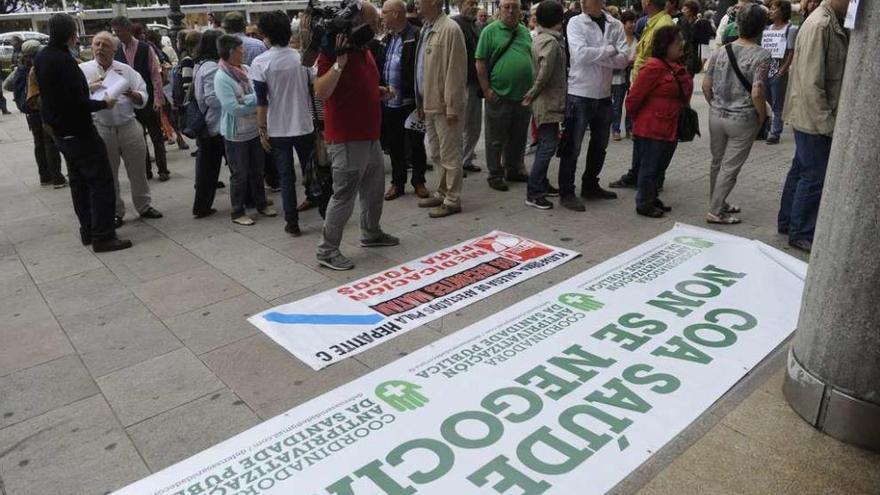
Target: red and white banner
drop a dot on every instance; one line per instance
(341, 322)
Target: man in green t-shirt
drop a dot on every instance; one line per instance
(504, 68)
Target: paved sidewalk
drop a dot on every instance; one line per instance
(116, 365)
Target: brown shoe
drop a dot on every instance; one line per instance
(393, 193)
(430, 202)
(444, 211)
(422, 191)
(305, 205)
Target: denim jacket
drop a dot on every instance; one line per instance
(238, 110)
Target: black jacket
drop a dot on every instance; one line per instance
(64, 93)
(141, 65)
(471, 37)
(410, 36)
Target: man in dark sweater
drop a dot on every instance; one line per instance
(67, 110)
(473, 120)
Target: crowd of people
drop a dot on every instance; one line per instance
(422, 86)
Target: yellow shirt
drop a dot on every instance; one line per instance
(646, 42)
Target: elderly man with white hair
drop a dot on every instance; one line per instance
(118, 127)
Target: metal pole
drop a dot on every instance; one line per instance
(175, 16)
(833, 378)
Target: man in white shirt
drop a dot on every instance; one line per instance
(119, 129)
(284, 112)
(597, 46)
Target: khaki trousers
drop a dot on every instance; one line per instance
(127, 141)
(444, 142)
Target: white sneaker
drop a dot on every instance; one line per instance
(243, 220)
(268, 211)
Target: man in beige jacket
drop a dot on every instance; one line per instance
(441, 79)
(814, 85)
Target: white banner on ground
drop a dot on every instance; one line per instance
(566, 392)
(339, 323)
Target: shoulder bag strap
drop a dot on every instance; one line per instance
(745, 82)
(678, 83)
(495, 58)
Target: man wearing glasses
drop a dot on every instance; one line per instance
(504, 69)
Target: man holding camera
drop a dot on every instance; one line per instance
(441, 77)
(348, 82)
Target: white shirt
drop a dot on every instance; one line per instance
(290, 103)
(123, 112)
(594, 55)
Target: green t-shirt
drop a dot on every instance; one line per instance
(512, 74)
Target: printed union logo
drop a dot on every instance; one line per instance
(401, 395)
(583, 302)
(513, 247)
(695, 242)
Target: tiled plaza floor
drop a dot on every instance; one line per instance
(116, 365)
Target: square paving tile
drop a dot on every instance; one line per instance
(117, 336)
(187, 430)
(151, 259)
(185, 291)
(270, 379)
(266, 272)
(75, 449)
(85, 291)
(214, 326)
(56, 256)
(31, 343)
(157, 385)
(33, 391)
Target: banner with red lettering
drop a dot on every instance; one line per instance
(339, 323)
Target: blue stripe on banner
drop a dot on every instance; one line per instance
(303, 319)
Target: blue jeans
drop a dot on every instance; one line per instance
(655, 157)
(581, 113)
(245, 160)
(802, 192)
(282, 155)
(548, 139)
(618, 95)
(776, 97)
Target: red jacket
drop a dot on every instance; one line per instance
(654, 101)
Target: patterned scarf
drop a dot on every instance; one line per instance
(237, 73)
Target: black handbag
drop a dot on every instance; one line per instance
(688, 119)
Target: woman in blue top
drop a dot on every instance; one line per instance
(238, 126)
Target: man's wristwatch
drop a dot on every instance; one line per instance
(336, 67)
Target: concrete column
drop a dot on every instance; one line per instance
(833, 378)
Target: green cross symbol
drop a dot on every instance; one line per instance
(401, 395)
(583, 302)
(695, 242)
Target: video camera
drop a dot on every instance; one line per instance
(328, 22)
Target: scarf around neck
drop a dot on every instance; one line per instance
(238, 74)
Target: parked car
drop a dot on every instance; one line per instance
(6, 45)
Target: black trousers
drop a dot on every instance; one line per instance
(208, 161)
(398, 140)
(270, 173)
(45, 152)
(152, 123)
(91, 184)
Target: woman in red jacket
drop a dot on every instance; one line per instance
(655, 101)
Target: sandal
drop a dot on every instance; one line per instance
(723, 219)
(732, 209)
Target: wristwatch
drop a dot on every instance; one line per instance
(337, 67)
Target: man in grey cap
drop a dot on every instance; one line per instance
(235, 24)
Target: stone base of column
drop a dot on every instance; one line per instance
(831, 410)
